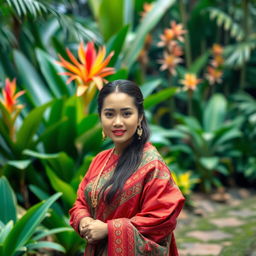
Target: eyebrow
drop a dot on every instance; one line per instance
(112, 109)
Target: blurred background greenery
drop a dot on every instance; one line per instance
(195, 63)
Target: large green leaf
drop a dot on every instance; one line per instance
(7, 202)
(91, 139)
(67, 132)
(4, 231)
(148, 87)
(20, 164)
(199, 63)
(31, 80)
(215, 113)
(25, 227)
(51, 72)
(159, 97)
(116, 43)
(147, 24)
(63, 166)
(30, 126)
(69, 194)
(110, 17)
(210, 163)
(45, 244)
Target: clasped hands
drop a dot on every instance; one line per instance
(92, 230)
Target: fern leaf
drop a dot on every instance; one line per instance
(223, 19)
(237, 55)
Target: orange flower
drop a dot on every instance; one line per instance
(175, 49)
(90, 68)
(9, 100)
(147, 7)
(174, 33)
(217, 49)
(166, 37)
(169, 62)
(217, 61)
(178, 31)
(190, 82)
(214, 75)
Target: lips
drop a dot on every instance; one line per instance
(118, 132)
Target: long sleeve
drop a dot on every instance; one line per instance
(80, 208)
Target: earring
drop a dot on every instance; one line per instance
(139, 132)
(104, 136)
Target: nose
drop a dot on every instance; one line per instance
(118, 121)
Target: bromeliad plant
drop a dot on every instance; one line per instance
(88, 70)
(9, 107)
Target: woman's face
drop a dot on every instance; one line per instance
(119, 118)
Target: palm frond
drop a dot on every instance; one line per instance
(78, 30)
(237, 55)
(25, 7)
(223, 19)
(7, 37)
(71, 26)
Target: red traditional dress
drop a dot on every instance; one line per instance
(142, 218)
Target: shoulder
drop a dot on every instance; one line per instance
(153, 165)
(151, 155)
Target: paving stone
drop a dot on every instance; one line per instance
(209, 235)
(243, 213)
(227, 222)
(200, 249)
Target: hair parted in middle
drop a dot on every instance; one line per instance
(130, 159)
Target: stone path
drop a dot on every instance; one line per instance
(222, 229)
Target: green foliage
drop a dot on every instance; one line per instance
(208, 145)
(55, 139)
(19, 236)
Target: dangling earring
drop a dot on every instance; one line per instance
(104, 136)
(139, 132)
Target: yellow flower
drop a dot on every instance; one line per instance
(9, 100)
(184, 181)
(190, 82)
(90, 68)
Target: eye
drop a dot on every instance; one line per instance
(108, 114)
(127, 113)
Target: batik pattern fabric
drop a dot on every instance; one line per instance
(141, 219)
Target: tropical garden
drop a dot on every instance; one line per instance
(194, 62)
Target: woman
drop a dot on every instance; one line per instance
(127, 203)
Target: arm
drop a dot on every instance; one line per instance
(80, 209)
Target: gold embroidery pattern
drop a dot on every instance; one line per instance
(123, 237)
(118, 240)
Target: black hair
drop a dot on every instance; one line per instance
(131, 157)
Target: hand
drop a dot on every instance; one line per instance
(95, 230)
(83, 223)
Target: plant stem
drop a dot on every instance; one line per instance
(190, 104)
(245, 7)
(183, 15)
